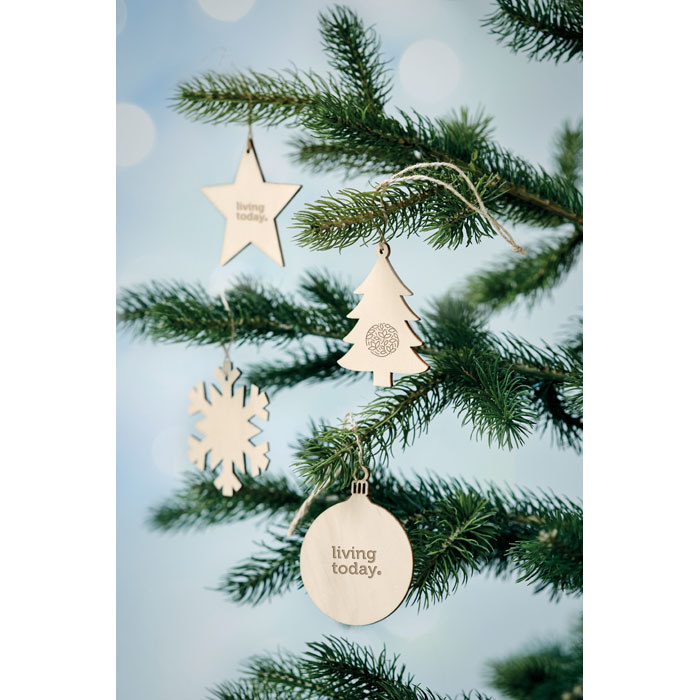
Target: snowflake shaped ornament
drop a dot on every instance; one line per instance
(227, 429)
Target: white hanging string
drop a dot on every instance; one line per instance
(227, 346)
(349, 420)
(479, 208)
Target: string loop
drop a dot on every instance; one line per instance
(249, 142)
(358, 485)
(350, 420)
(479, 208)
(227, 346)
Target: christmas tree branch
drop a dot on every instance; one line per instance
(526, 194)
(272, 572)
(331, 669)
(354, 50)
(529, 278)
(456, 530)
(569, 152)
(345, 124)
(350, 217)
(219, 98)
(541, 28)
(179, 312)
(503, 386)
(307, 365)
(549, 670)
(198, 504)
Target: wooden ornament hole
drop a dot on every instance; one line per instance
(383, 250)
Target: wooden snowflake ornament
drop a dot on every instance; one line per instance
(382, 340)
(227, 429)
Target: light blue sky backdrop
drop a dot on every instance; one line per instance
(175, 635)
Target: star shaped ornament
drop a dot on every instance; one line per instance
(251, 206)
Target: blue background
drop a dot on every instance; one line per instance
(175, 635)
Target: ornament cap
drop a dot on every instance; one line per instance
(360, 488)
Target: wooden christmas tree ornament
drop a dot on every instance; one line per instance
(382, 340)
(356, 560)
(227, 429)
(251, 207)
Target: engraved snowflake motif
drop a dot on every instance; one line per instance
(382, 339)
(227, 429)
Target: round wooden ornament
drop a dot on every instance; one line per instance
(356, 560)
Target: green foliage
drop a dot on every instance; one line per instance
(271, 572)
(218, 98)
(354, 51)
(541, 28)
(331, 669)
(346, 127)
(503, 387)
(308, 364)
(569, 152)
(456, 530)
(179, 312)
(544, 672)
(451, 539)
(198, 504)
(529, 278)
(350, 216)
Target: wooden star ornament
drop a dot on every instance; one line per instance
(251, 207)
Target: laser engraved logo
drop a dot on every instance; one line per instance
(382, 339)
(351, 559)
(248, 211)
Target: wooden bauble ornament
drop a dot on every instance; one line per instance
(382, 340)
(251, 207)
(356, 560)
(227, 429)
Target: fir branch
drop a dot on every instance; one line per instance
(220, 98)
(550, 670)
(489, 395)
(529, 278)
(329, 292)
(462, 131)
(305, 365)
(331, 669)
(179, 312)
(456, 530)
(347, 125)
(544, 29)
(400, 415)
(351, 216)
(504, 387)
(526, 194)
(319, 157)
(198, 503)
(451, 540)
(272, 572)
(355, 51)
(569, 152)
(540, 560)
(555, 384)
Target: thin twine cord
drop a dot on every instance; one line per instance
(480, 209)
(227, 346)
(382, 238)
(249, 142)
(304, 508)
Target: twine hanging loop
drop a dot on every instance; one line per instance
(360, 485)
(478, 208)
